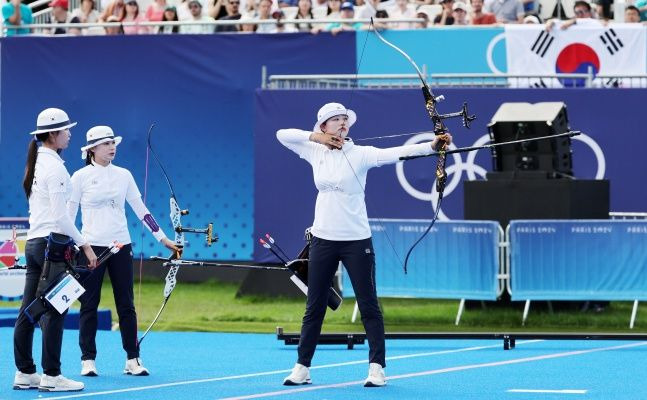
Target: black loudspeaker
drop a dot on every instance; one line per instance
(548, 158)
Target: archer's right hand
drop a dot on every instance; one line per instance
(333, 142)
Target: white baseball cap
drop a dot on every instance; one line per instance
(330, 110)
(51, 120)
(97, 135)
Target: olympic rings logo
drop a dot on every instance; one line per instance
(471, 169)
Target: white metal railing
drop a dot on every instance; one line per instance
(340, 81)
(627, 215)
(248, 21)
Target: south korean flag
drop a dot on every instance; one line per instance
(611, 53)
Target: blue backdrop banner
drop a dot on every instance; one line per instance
(457, 260)
(578, 260)
(197, 89)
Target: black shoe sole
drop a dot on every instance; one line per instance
(290, 383)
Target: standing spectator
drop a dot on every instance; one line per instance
(86, 12)
(304, 12)
(399, 11)
(603, 9)
(15, 14)
(460, 13)
(116, 8)
(233, 13)
(583, 16)
(155, 11)
(170, 14)
(478, 17)
(505, 11)
(61, 16)
(445, 17)
(133, 15)
(632, 14)
(264, 13)
(196, 16)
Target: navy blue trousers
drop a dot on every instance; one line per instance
(359, 260)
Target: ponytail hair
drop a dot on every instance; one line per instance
(30, 168)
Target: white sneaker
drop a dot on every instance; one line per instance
(59, 384)
(300, 375)
(26, 381)
(88, 368)
(375, 376)
(134, 367)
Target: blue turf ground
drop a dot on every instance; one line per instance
(192, 366)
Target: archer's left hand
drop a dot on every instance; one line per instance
(170, 245)
(446, 137)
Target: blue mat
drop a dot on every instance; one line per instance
(191, 366)
(104, 319)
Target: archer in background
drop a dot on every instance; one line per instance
(102, 189)
(47, 187)
(341, 230)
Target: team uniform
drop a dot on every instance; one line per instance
(341, 233)
(102, 193)
(51, 188)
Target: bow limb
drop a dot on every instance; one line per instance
(439, 129)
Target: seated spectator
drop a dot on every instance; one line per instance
(368, 9)
(86, 13)
(61, 16)
(347, 12)
(304, 12)
(531, 19)
(114, 30)
(334, 9)
(155, 11)
(196, 16)
(381, 14)
(264, 13)
(170, 14)
(632, 14)
(583, 16)
(280, 26)
(115, 8)
(233, 13)
(445, 17)
(399, 11)
(218, 9)
(133, 15)
(603, 9)
(641, 5)
(460, 13)
(16, 14)
(478, 17)
(505, 11)
(424, 15)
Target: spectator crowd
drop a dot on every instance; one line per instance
(268, 16)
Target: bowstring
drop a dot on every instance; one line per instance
(350, 100)
(141, 251)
